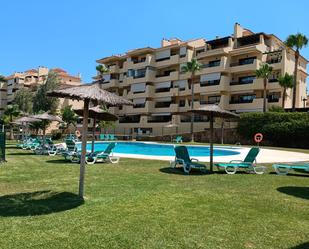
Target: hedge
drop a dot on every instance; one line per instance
(278, 129)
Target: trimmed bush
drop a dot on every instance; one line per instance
(278, 129)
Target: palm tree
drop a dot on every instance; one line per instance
(296, 42)
(286, 81)
(264, 73)
(10, 112)
(101, 69)
(192, 66)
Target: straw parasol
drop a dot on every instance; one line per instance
(23, 121)
(46, 117)
(96, 113)
(88, 92)
(214, 111)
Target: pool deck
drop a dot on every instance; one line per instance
(265, 156)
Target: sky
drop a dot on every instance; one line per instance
(72, 34)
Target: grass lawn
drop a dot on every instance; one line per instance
(144, 204)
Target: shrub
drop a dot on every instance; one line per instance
(56, 134)
(279, 129)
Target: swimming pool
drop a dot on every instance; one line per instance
(157, 149)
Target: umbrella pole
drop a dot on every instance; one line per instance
(211, 141)
(93, 135)
(84, 145)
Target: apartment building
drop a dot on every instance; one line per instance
(161, 92)
(32, 79)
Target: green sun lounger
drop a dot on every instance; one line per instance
(70, 151)
(284, 169)
(102, 137)
(183, 158)
(103, 156)
(178, 139)
(247, 164)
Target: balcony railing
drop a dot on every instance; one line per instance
(234, 83)
(272, 80)
(273, 61)
(215, 64)
(210, 83)
(241, 63)
(241, 101)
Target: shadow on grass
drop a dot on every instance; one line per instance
(21, 153)
(38, 203)
(179, 171)
(301, 246)
(300, 192)
(302, 174)
(60, 161)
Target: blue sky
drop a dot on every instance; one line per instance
(72, 34)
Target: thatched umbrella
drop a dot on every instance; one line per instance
(23, 121)
(96, 113)
(87, 93)
(46, 117)
(213, 111)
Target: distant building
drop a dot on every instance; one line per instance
(154, 80)
(32, 79)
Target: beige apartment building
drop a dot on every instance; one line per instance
(161, 92)
(32, 79)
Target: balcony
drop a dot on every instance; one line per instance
(149, 92)
(112, 83)
(172, 76)
(212, 68)
(247, 106)
(223, 85)
(149, 106)
(172, 60)
(148, 77)
(243, 67)
(149, 61)
(113, 69)
(214, 52)
(170, 108)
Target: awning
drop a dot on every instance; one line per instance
(210, 77)
(163, 54)
(181, 83)
(106, 77)
(165, 99)
(161, 85)
(139, 87)
(139, 101)
(183, 51)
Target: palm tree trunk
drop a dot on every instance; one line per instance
(283, 97)
(264, 95)
(295, 80)
(192, 106)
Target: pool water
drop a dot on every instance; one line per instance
(156, 149)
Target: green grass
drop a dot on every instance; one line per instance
(144, 204)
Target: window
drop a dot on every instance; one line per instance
(214, 99)
(182, 103)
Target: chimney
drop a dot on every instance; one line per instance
(238, 30)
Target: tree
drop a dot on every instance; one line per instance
(106, 124)
(2, 78)
(10, 112)
(286, 81)
(68, 116)
(264, 73)
(296, 42)
(192, 67)
(101, 70)
(43, 103)
(24, 100)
